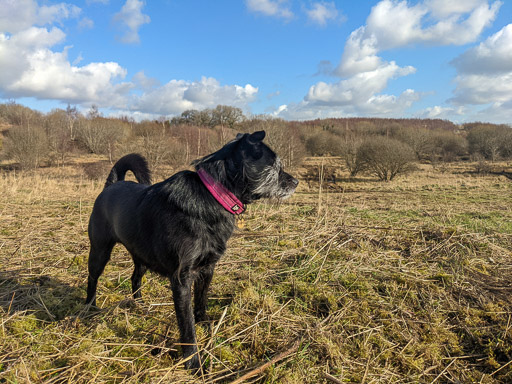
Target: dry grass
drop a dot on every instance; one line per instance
(402, 282)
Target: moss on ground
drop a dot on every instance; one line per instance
(403, 282)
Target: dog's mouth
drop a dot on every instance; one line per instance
(288, 187)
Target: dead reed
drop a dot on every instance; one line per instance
(354, 281)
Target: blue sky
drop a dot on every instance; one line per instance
(292, 59)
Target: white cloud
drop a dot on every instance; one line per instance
(144, 82)
(275, 8)
(78, 59)
(131, 19)
(485, 71)
(85, 23)
(179, 95)
(365, 74)
(483, 89)
(393, 24)
(376, 105)
(493, 56)
(53, 13)
(357, 89)
(443, 8)
(322, 12)
(495, 113)
(17, 15)
(439, 112)
(31, 67)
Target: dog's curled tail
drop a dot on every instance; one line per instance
(132, 162)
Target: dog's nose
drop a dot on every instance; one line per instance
(295, 182)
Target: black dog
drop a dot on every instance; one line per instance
(179, 227)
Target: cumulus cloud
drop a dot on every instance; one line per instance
(131, 19)
(144, 82)
(440, 112)
(376, 105)
(322, 12)
(493, 56)
(17, 15)
(179, 95)
(442, 8)
(275, 8)
(30, 66)
(357, 89)
(496, 112)
(484, 72)
(393, 24)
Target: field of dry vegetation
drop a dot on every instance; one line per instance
(356, 281)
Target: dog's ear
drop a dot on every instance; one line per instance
(221, 154)
(256, 137)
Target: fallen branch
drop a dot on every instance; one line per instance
(261, 368)
(331, 378)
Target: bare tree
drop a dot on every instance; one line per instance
(224, 115)
(101, 135)
(19, 115)
(59, 134)
(353, 162)
(488, 140)
(325, 143)
(386, 158)
(27, 145)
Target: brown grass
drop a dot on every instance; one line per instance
(402, 282)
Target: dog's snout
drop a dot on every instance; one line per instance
(295, 182)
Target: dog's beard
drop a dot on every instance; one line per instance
(272, 183)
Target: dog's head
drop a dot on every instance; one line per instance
(249, 168)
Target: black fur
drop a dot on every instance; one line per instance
(176, 227)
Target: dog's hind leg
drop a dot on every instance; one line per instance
(98, 258)
(138, 272)
(182, 295)
(201, 285)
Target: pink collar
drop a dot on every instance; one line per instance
(221, 194)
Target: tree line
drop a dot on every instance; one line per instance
(384, 147)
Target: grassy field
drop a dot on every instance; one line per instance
(401, 282)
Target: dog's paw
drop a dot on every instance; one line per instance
(201, 317)
(193, 364)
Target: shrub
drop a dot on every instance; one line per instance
(325, 143)
(100, 135)
(489, 140)
(97, 170)
(58, 131)
(27, 145)
(385, 158)
(450, 146)
(352, 161)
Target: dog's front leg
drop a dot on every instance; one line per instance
(201, 284)
(181, 290)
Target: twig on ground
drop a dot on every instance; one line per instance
(261, 368)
